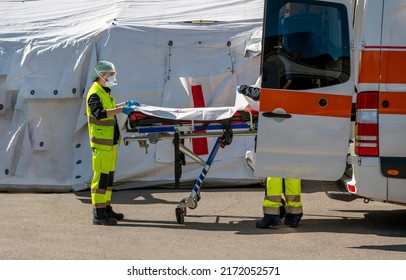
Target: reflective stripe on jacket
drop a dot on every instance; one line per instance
(101, 132)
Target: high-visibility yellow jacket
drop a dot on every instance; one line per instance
(101, 132)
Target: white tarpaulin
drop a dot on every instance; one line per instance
(164, 52)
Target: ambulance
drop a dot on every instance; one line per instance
(333, 95)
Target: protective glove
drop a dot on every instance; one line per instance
(132, 103)
(127, 110)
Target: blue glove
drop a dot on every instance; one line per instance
(238, 89)
(127, 110)
(133, 103)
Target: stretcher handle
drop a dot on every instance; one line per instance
(276, 115)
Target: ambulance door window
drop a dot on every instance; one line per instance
(305, 45)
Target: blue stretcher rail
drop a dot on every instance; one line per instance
(199, 127)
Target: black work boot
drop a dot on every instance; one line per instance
(100, 218)
(111, 214)
(268, 220)
(293, 220)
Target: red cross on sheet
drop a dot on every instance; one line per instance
(199, 145)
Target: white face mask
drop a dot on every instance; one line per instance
(110, 81)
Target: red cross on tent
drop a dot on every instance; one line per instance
(199, 145)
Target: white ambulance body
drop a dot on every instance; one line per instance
(333, 94)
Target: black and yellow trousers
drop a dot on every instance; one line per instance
(275, 188)
(103, 163)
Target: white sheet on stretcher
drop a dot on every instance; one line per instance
(194, 114)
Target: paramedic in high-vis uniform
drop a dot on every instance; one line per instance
(104, 134)
(276, 208)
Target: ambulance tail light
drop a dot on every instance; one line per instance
(352, 188)
(366, 124)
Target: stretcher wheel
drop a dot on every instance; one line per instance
(180, 215)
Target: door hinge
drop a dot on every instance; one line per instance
(357, 45)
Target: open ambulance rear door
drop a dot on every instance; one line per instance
(307, 89)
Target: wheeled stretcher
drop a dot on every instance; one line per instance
(178, 125)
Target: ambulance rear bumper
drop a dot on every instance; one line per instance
(337, 190)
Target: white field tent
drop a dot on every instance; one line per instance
(160, 48)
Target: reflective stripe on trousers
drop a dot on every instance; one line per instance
(103, 163)
(273, 196)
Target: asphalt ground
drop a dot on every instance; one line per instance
(58, 226)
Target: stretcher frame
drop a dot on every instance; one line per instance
(153, 129)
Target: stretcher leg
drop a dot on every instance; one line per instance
(177, 163)
(179, 157)
(191, 201)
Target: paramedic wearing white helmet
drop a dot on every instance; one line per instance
(104, 135)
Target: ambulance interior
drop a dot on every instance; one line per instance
(305, 48)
